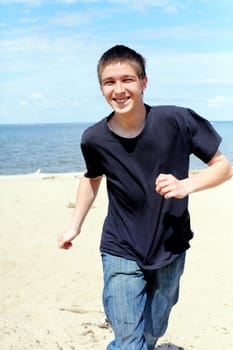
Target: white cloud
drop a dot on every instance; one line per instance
(48, 60)
(74, 19)
(191, 68)
(70, 20)
(34, 99)
(75, 1)
(39, 2)
(23, 2)
(199, 81)
(185, 31)
(168, 6)
(31, 20)
(3, 113)
(220, 101)
(68, 2)
(59, 75)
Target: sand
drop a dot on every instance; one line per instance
(51, 298)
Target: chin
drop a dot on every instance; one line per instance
(123, 109)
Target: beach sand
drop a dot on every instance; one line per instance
(51, 298)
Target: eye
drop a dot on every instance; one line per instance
(108, 82)
(128, 80)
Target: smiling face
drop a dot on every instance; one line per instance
(122, 88)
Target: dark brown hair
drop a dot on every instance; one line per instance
(121, 53)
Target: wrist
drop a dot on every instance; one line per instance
(188, 186)
(74, 231)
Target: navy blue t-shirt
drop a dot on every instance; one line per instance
(140, 224)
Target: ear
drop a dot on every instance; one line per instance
(101, 89)
(144, 83)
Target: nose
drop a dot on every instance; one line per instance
(119, 87)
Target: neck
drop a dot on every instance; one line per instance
(128, 125)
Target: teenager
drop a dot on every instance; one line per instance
(144, 153)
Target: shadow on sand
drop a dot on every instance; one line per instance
(169, 346)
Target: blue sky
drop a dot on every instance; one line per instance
(49, 51)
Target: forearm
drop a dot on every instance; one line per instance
(215, 174)
(218, 171)
(86, 194)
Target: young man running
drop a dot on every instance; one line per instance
(143, 152)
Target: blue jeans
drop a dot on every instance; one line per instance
(138, 302)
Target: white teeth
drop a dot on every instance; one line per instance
(121, 100)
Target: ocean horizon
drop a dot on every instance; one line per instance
(55, 147)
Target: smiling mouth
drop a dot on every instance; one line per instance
(121, 100)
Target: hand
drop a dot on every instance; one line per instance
(169, 186)
(64, 241)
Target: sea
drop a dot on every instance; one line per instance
(55, 148)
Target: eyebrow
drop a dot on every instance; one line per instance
(122, 77)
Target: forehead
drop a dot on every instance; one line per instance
(115, 69)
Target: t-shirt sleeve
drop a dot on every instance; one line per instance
(205, 140)
(92, 159)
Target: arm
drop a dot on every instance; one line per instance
(218, 171)
(86, 194)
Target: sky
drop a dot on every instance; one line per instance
(49, 52)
